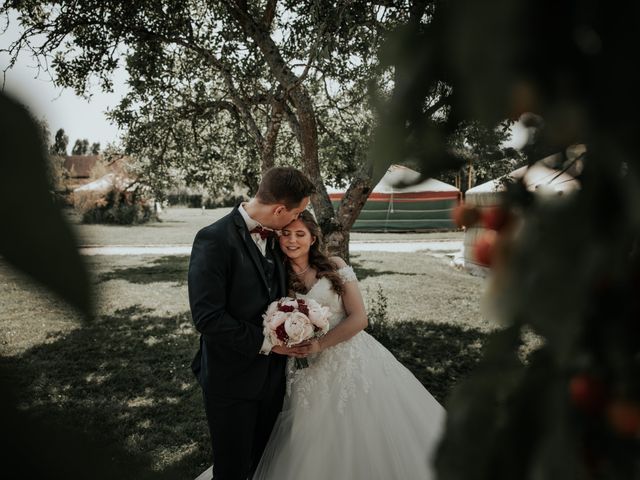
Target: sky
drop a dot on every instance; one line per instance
(60, 107)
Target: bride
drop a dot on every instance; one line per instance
(355, 412)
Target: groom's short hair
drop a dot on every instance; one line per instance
(286, 185)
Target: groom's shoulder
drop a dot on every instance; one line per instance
(219, 227)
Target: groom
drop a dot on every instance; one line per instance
(236, 270)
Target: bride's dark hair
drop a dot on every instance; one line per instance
(318, 259)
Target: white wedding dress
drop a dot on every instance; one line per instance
(355, 413)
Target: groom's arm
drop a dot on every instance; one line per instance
(207, 282)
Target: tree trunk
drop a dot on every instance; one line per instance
(335, 228)
(350, 207)
(268, 150)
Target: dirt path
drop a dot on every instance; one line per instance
(438, 246)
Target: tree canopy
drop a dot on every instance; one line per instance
(223, 90)
(60, 143)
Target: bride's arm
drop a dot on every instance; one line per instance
(355, 321)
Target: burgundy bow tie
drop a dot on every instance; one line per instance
(264, 233)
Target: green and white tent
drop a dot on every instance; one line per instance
(426, 205)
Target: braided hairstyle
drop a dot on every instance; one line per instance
(318, 260)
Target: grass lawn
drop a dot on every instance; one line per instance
(179, 226)
(124, 378)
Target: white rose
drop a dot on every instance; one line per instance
(277, 319)
(298, 328)
(319, 316)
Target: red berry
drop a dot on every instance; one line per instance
(484, 248)
(465, 215)
(495, 218)
(624, 417)
(587, 393)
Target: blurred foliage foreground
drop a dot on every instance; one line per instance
(564, 267)
(568, 269)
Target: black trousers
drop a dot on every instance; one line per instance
(240, 429)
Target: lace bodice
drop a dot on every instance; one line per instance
(335, 374)
(322, 292)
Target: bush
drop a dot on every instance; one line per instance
(221, 202)
(113, 207)
(378, 316)
(191, 200)
(198, 199)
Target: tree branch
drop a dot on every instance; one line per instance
(269, 13)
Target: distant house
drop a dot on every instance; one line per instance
(81, 168)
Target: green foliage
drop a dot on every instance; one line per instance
(377, 314)
(81, 147)
(60, 143)
(485, 158)
(569, 269)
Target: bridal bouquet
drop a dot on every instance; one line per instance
(291, 321)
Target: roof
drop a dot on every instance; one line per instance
(80, 165)
(400, 175)
(537, 177)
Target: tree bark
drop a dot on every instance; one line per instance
(274, 122)
(335, 228)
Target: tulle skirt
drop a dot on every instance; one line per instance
(355, 413)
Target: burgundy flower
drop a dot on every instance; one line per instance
(303, 308)
(281, 333)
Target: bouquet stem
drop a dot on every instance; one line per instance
(301, 363)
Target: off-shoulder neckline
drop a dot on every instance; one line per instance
(324, 278)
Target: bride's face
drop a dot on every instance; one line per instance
(296, 240)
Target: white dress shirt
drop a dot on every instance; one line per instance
(251, 224)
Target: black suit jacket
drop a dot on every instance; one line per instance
(228, 293)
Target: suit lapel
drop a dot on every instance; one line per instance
(282, 277)
(250, 245)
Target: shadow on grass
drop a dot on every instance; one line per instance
(364, 272)
(439, 355)
(172, 268)
(125, 381)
